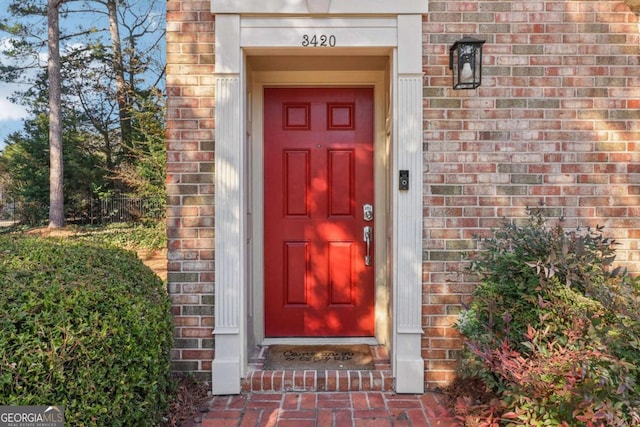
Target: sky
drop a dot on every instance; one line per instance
(11, 115)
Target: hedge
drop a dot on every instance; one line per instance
(85, 327)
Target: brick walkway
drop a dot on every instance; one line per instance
(353, 409)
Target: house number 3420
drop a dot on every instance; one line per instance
(318, 41)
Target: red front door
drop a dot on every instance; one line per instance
(318, 176)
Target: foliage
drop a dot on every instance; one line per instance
(86, 327)
(553, 329)
(146, 172)
(127, 236)
(25, 163)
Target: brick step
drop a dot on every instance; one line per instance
(265, 381)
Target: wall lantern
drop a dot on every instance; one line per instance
(465, 59)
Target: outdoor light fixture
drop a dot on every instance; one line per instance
(465, 59)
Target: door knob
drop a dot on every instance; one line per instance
(368, 236)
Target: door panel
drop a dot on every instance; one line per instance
(318, 173)
(296, 188)
(341, 191)
(341, 280)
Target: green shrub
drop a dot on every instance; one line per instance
(552, 329)
(84, 327)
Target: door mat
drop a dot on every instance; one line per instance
(318, 357)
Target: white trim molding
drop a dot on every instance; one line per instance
(333, 7)
(258, 27)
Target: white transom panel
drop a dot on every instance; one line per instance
(319, 33)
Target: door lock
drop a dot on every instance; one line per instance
(367, 212)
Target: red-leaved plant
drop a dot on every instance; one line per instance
(552, 332)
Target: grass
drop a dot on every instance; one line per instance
(141, 236)
(150, 236)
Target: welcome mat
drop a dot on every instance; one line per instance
(318, 357)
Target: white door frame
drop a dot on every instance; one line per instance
(394, 26)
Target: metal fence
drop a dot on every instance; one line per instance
(89, 211)
(7, 211)
(127, 209)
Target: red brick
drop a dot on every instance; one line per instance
(343, 418)
(251, 418)
(333, 404)
(219, 423)
(359, 401)
(224, 414)
(297, 415)
(288, 382)
(298, 379)
(197, 354)
(308, 401)
(196, 332)
(373, 423)
(325, 417)
(268, 405)
(377, 414)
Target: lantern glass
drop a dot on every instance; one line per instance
(465, 60)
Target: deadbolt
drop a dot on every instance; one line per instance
(367, 212)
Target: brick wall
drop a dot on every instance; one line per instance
(190, 168)
(554, 124)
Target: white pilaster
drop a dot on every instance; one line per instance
(230, 186)
(409, 365)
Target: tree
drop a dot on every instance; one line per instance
(122, 94)
(56, 168)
